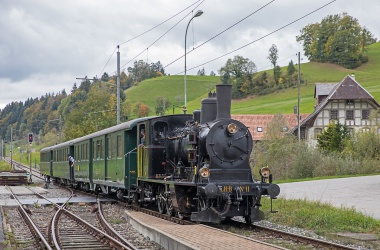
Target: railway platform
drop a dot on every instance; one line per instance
(183, 237)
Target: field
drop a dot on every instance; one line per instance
(172, 87)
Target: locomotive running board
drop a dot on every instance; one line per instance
(207, 215)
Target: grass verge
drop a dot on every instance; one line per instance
(320, 217)
(4, 166)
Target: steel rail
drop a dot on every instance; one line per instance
(116, 243)
(34, 229)
(109, 228)
(53, 228)
(35, 172)
(62, 209)
(305, 239)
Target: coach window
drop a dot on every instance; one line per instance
(119, 147)
(86, 151)
(102, 150)
(142, 134)
(108, 146)
(98, 149)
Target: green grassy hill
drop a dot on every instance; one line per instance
(281, 102)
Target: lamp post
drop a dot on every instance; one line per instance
(197, 14)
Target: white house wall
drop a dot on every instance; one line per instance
(323, 118)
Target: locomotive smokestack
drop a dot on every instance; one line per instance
(223, 99)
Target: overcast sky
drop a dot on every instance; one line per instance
(45, 44)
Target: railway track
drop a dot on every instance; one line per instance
(300, 239)
(73, 227)
(294, 239)
(34, 172)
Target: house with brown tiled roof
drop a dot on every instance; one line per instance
(257, 124)
(346, 102)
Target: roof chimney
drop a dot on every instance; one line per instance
(353, 76)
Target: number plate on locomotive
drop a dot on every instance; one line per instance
(230, 188)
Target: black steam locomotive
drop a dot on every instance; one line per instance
(194, 166)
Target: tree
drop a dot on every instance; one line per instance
(105, 77)
(74, 87)
(212, 73)
(273, 57)
(336, 39)
(95, 113)
(161, 105)
(334, 138)
(201, 72)
(143, 110)
(236, 72)
(291, 69)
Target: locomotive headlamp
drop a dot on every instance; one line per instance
(204, 172)
(232, 128)
(265, 172)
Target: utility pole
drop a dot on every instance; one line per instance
(11, 148)
(2, 148)
(59, 128)
(118, 86)
(30, 163)
(298, 109)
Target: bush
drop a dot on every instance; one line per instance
(289, 160)
(306, 162)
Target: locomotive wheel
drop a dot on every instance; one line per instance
(160, 204)
(169, 207)
(87, 187)
(248, 219)
(180, 215)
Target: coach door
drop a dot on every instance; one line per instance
(51, 159)
(142, 168)
(107, 165)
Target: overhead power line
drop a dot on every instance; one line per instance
(159, 38)
(298, 19)
(143, 33)
(241, 20)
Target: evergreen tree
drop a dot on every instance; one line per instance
(273, 57)
(334, 138)
(291, 69)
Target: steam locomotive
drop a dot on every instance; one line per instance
(192, 166)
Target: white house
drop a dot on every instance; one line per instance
(346, 102)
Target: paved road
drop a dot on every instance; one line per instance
(361, 193)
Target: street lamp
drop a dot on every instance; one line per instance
(197, 14)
